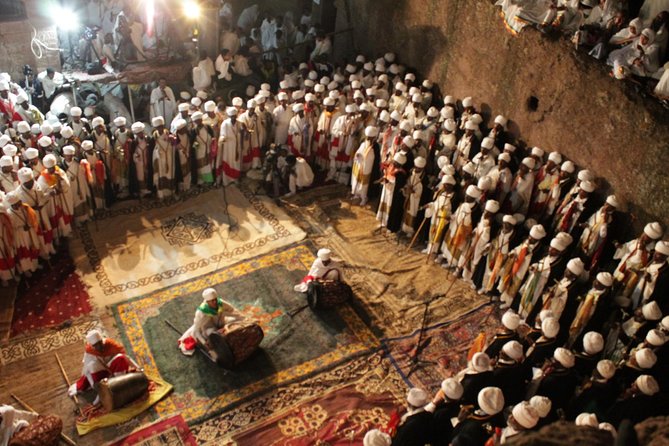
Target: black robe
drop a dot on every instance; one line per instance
(396, 211)
(498, 342)
(584, 364)
(593, 397)
(636, 408)
(477, 428)
(442, 429)
(472, 385)
(374, 187)
(543, 349)
(415, 431)
(558, 385)
(512, 379)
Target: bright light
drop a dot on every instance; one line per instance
(65, 18)
(191, 9)
(150, 16)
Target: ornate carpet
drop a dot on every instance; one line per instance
(444, 346)
(138, 247)
(52, 296)
(294, 347)
(172, 431)
(335, 407)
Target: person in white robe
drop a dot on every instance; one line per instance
(363, 164)
(300, 131)
(478, 243)
(566, 217)
(520, 194)
(633, 256)
(324, 267)
(484, 161)
(282, 114)
(28, 112)
(213, 314)
(459, 230)
(645, 287)
(39, 199)
(13, 420)
(140, 159)
(517, 264)
(439, 212)
(182, 149)
(229, 156)
(596, 232)
(202, 137)
(9, 181)
(299, 174)
(163, 102)
(80, 177)
(163, 159)
(26, 234)
(497, 252)
(640, 58)
(501, 177)
(57, 182)
(537, 277)
(253, 136)
(413, 191)
(345, 140)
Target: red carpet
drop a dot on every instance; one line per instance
(171, 431)
(50, 297)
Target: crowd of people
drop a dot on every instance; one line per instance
(585, 335)
(634, 47)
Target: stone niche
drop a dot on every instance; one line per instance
(556, 98)
(16, 37)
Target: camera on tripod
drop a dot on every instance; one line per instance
(91, 33)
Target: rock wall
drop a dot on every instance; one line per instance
(599, 123)
(15, 39)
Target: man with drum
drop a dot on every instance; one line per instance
(103, 358)
(324, 267)
(212, 314)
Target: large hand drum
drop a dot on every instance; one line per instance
(235, 342)
(42, 431)
(118, 391)
(324, 294)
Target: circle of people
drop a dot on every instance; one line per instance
(525, 229)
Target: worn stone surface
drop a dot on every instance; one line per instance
(563, 433)
(596, 121)
(16, 38)
(653, 431)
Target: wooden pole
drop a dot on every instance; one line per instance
(63, 437)
(67, 381)
(413, 240)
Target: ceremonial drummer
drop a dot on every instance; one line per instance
(324, 267)
(212, 314)
(103, 358)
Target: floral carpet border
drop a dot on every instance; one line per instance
(24, 348)
(371, 373)
(108, 288)
(127, 315)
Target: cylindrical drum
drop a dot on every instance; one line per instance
(118, 391)
(324, 294)
(235, 342)
(42, 431)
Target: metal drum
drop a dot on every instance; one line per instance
(118, 391)
(235, 342)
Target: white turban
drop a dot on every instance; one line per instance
(49, 161)
(593, 343)
(525, 414)
(324, 254)
(417, 397)
(209, 294)
(93, 337)
(491, 400)
(452, 389)
(564, 357)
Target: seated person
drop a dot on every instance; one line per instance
(324, 267)
(12, 422)
(103, 358)
(212, 314)
(297, 173)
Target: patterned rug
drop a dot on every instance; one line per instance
(139, 248)
(336, 407)
(294, 347)
(444, 347)
(50, 297)
(172, 431)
